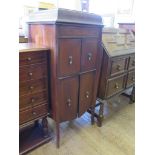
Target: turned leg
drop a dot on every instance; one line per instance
(132, 96)
(45, 126)
(92, 114)
(57, 135)
(101, 116)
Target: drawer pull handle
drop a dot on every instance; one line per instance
(34, 113)
(89, 56)
(116, 85)
(70, 60)
(30, 74)
(69, 102)
(118, 67)
(32, 100)
(29, 59)
(31, 87)
(87, 94)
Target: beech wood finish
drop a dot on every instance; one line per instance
(33, 94)
(118, 63)
(75, 41)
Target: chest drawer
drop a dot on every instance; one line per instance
(115, 85)
(32, 86)
(130, 79)
(78, 31)
(68, 90)
(33, 72)
(69, 56)
(34, 99)
(131, 62)
(32, 113)
(86, 91)
(118, 66)
(28, 58)
(89, 53)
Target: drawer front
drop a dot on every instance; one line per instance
(32, 86)
(68, 92)
(32, 113)
(118, 66)
(89, 53)
(86, 91)
(115, 85)
(32, 58)
(32, 72)
(78, 31)
(130, 79)
(131, 62)
(69, 56)
(26, 101)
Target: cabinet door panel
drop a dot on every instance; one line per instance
(86, 91)
(68, 91)
(69, 56)
(89, 53)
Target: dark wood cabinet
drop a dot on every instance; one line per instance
(118, 63)
(33, 95)
(75, 59)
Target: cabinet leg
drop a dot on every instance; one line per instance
(57, 135)
(45, 126)
(101, 116)
(132, 97)
(92, 114)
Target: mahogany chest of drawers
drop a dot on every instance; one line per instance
(118, 63)
(75, 42)
(33, 86)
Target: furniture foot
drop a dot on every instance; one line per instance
(132, 97)
(45, 126)
(101, 116)
(57, 135)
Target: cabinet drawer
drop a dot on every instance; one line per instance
(89, 53)
(32, 57)
(115, 85)
(131, 62)
(32, 113)
(33, 72)
(26, 101)
(68, 92)
(130, 79)
(32, 86)
(86, 91)
(69, 56)
(77, 31)
(118, 66)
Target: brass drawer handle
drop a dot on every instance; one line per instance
(30, 74)
(70, 60)
(34, 113)
(69, 102)
(116, 85)
(118, 67)
(89, 56)
(32, 100)
(31, 87)
(87, 94)
(29, 59)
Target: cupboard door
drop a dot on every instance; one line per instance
(69, 56)
(86, 91)
(68, 92)
(89, 53)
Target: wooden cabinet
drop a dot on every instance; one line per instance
(33, 94)
(75, 41)
(118, 63)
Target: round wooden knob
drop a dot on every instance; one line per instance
(30, 74)
(116, 85)
(87, 94)
(32, 100)
(34, 113)
(29, 59)
(31, 87)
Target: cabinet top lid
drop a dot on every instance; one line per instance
(64, 16)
